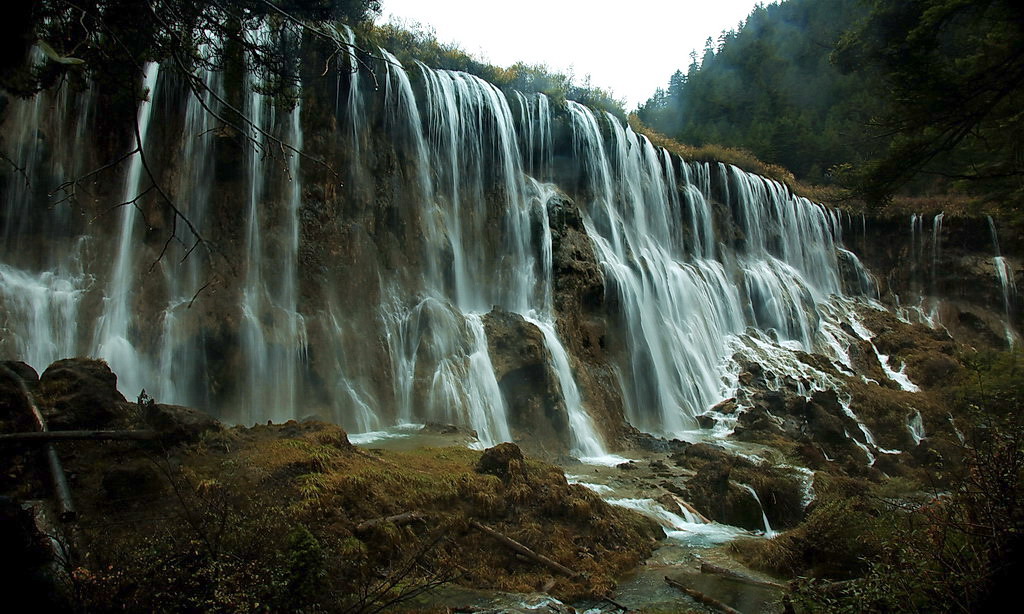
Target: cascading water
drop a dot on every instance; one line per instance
(768, 532)
(181, 363)
(465, 193)
(587, 442)
(113, 340)
(1006, 281)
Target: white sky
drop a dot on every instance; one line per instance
(631, 47)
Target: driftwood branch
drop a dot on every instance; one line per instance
(711, 568)
(691, 509)
(707, 600)
(65, 506)
(51, 436)
(397, 519)
(515, 546)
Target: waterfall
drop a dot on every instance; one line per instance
(113, 342)
(768, 532)
(587, 442)
(44, 310)
(1006, 281)
(363, 301)
(181, 362)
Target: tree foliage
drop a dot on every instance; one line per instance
(881, 96)
(768, 87)
(413, 42)
(951, 73)
(106, 42)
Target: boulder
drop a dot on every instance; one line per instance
(24, 371)
(716, 497)
(706, 421)
(536, 409)
(180, 423)
(727, 407)
(81, 393)
(504, 460)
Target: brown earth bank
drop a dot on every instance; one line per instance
(289, 517)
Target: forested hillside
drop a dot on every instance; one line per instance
(882, 97)
(769, 87)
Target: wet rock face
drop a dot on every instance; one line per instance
(715, 496)
(536, 410)
(817, 425)
(958, 268)
(578, 280)
(81, 393)
(579, 302)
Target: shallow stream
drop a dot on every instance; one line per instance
(688, 540)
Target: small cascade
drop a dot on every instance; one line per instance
(1006, 281)
(915, 424)
(486, 405)
(936, 251)
(353, 404)
(114, 338)
(687, 528)
(898, 376)
(768, 532)
(587, 442)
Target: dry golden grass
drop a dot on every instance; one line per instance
(744, 160)
(251, 491)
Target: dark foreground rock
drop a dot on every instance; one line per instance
(81, 393)
(180, 423)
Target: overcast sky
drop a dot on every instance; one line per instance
(629, 46)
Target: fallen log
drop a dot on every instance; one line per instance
(50, 436)
(691, 509)
(707, 600)
(397, 519)
(62, 492)
(515, 546)
(711, 568)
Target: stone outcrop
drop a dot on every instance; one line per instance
(504, 460)
(522, 366)
(81, 393)
(579, 302)
(179, 423)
